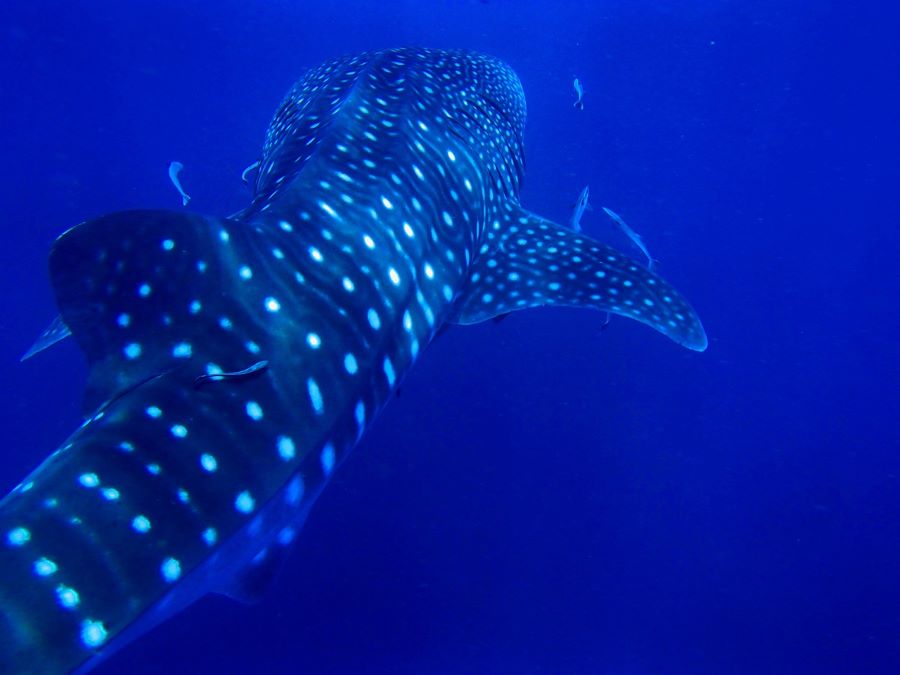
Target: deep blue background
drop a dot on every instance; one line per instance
(544, 496)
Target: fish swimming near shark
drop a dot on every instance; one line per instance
(245, 174)
(631, 234)
(582, 204)
(579, 94)
(176, 168)
(234, 362)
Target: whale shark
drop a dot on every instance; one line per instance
(234, 362)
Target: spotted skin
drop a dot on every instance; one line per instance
(531, 262)
(385, 206)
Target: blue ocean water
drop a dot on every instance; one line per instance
(544, 496)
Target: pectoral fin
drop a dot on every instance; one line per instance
(532, 262)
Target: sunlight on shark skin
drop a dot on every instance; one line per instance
(386, 205)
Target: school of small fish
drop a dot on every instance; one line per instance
(582, 204)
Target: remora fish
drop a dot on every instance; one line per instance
(579, 94)
(580, 207)
(386, 205)
(631, 234)
(174, 169)
(245, 174)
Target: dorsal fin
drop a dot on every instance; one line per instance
(125, 285)
(532, 262)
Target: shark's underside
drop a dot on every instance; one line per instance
(386, 205)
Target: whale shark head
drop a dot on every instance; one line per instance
(235, 362)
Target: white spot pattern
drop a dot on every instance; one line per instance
(244, 502)
(170, 570)
(93, 633)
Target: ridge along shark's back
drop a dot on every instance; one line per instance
(235, 362)
(353, 109)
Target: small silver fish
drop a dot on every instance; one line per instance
(631, 234)
(581, 205)
(245, 174)
(579, 94)
(174, 169)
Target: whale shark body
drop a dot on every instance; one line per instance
(235, 362)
